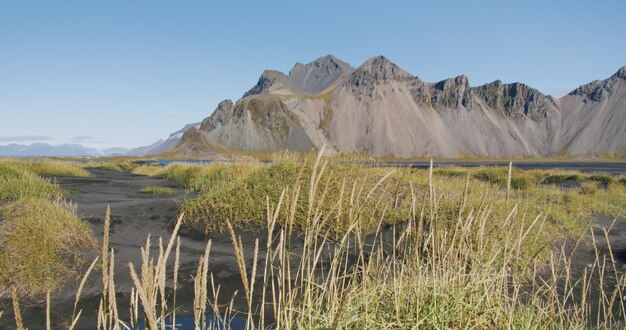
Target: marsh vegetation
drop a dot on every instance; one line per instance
(340, 245)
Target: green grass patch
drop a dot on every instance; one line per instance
(39, 235)
(604, 179)
(561, 178)
(39, 246)
(520, 180)
(117, 166)
(151, 170)
(158, 190)
(451, 172)
(238, 192)
(16, 182)
(45, 167)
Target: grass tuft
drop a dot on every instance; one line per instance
(158, 190)
(40, 243)
(117, 166)
(561, 178)
(604, 179)
(43, 167)
(520, 180)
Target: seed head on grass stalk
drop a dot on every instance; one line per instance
(19, 324)
(151, 285)
(200, 289)
(83, 281)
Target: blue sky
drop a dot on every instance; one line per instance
(126, 73)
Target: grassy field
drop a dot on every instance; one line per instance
(238, 192)
(386, 248)
(40, 234)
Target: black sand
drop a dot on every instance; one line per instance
(134, 215)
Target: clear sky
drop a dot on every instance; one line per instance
(126, 73)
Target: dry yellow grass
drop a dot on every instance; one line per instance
(463, 257)
(39, 242)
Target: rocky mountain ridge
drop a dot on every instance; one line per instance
(380, 109)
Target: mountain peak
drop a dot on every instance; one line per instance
(516, 99)
(446, 84)
(327, 61)
(375, 70)
(382, 68)
(599, 90)
(218, 117)
(621, 73)
(268, 79)
(314, 77)
(453, 92)
(195, 143)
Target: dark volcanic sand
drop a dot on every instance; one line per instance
(134, 215)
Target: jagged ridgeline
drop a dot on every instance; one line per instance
(380, 109)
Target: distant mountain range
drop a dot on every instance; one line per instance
(382, 110)
(64, 150)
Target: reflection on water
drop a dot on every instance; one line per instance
(188, 323)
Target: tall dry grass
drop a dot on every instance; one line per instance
(442, 268)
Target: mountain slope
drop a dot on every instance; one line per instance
(380, 109)
(195, 143)
(594, 118)
(162, 145)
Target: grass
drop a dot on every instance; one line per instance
(561, 178)
(25, 178)
(44, 167)
(40, 243)
(112, 165)
(158, 190)
(606, 180)
(464, 256)
(15, 185)
(237, 192)
(40, 235)
(520, 180)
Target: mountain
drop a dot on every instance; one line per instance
(115, 151)
(380, 109)
(64, 150)
(162, 145)
(195, 143)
